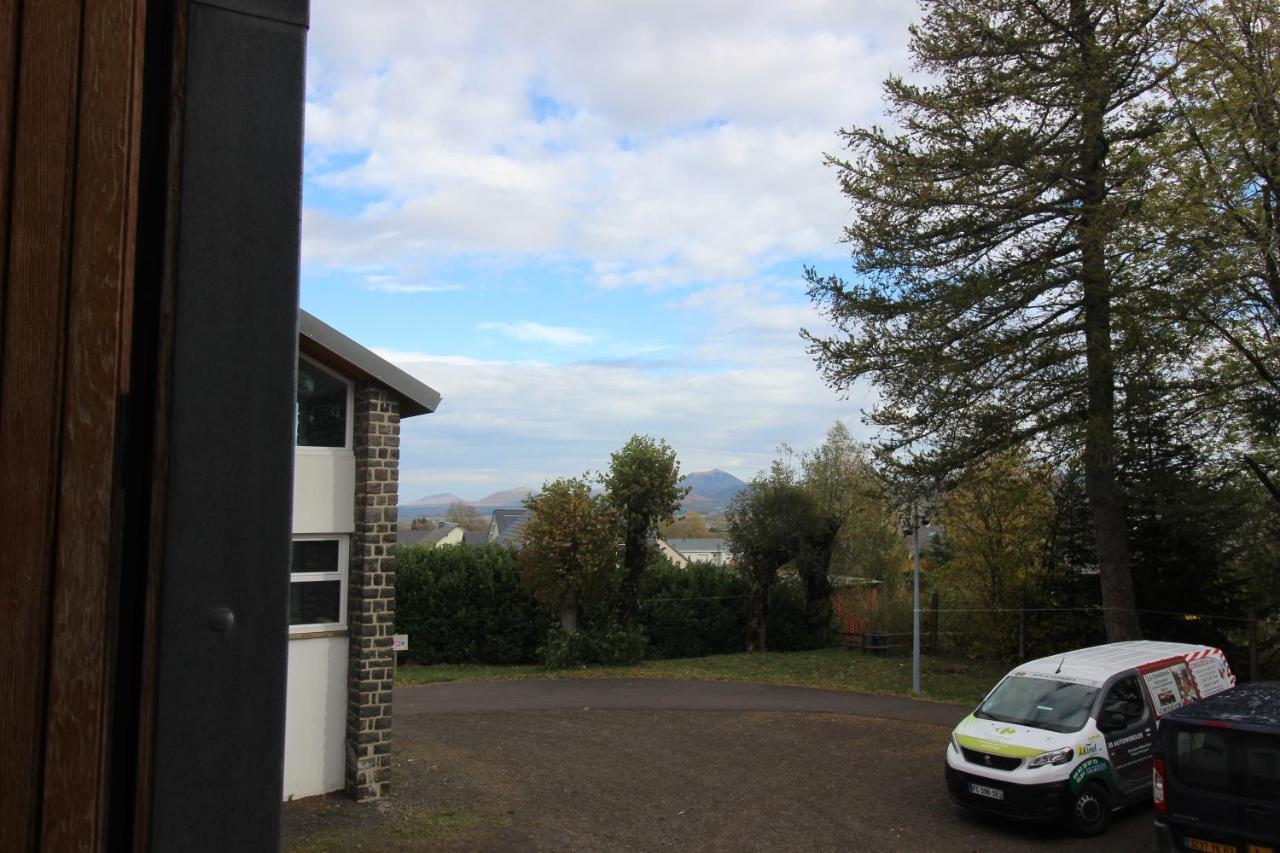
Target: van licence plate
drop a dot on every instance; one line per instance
(1208, 846)
(984, 791)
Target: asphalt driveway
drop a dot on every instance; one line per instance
(662, 765)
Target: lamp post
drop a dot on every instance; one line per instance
(915, 599)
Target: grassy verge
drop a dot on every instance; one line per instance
(942, 679)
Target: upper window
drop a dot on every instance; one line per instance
(323, 407)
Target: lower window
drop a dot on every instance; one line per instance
(318, 583)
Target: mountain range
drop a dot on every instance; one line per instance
(710, 491)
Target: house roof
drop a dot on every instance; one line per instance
(349, 357)
(409, 538)
(509, 523)
(475, 537)
(698, 546)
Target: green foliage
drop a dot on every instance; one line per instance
(1221, 232)
(999, 242)
(466, 605)
(568, 558)
(642, 486)
(610, 645)
(698, 610)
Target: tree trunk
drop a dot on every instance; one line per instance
(635, 557)
(569, 615)
(1105, 499)
(760, 617)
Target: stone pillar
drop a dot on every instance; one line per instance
(371, 593)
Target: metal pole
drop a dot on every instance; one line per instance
(1253, 645)
(915, 580)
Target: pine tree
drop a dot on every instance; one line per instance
(996, 239)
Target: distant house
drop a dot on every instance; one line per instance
(475, 537)
(505, 526)
(445, 533)
(348, 404)
(685, 551)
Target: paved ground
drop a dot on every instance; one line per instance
(658, 765)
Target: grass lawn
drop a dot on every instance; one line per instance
(941, 679)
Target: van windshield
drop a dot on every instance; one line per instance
(1058, 706)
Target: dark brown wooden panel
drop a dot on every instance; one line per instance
(100, 279)
(31, 367)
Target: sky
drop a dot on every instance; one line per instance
(580, 221)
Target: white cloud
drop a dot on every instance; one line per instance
(676, 142)
(529, 331)
(750, 387)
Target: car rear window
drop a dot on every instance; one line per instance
(1262, 767)
(1202, 760)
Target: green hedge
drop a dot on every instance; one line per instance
(695, 611)
(464, 604)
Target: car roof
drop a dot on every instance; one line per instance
(1094, 665)
(1253, 705)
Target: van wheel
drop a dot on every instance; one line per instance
(1090, 810)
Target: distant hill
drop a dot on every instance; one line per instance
(506, 498)
(710, 491)
(438, 503)
(442, 499)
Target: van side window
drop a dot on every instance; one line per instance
(1125, 698)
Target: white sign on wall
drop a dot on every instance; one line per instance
(399, 642)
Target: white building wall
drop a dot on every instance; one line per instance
(316, 698)
(324, 491)
(316, 717)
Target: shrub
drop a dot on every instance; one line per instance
(695, 611)
(612, 644)
(463, 604)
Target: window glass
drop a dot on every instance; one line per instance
(1262, 767)
(1202, 760)
(1125, 698)
(315, 555)
(321, 408)
(315, 602)
(1058, 706)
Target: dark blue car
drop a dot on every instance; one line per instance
(1216, 774)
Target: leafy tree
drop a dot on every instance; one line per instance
(422, 523)
(642, 487)
(766, 524)
(1222, 208)
(691, 525)
(569, 556)
(846, 486)
(466, 515)
(997, 241)
(997, 521)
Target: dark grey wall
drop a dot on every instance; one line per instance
(219, 726)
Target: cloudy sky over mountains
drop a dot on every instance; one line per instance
(584, 220)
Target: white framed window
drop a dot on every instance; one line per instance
(322, 408)
(318, 583)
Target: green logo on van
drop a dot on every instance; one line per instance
(1090, 768)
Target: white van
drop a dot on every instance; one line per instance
(1072, 735)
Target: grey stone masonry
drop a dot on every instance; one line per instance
(371, 602)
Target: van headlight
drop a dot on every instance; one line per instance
(954, 743)
(1057, 757)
